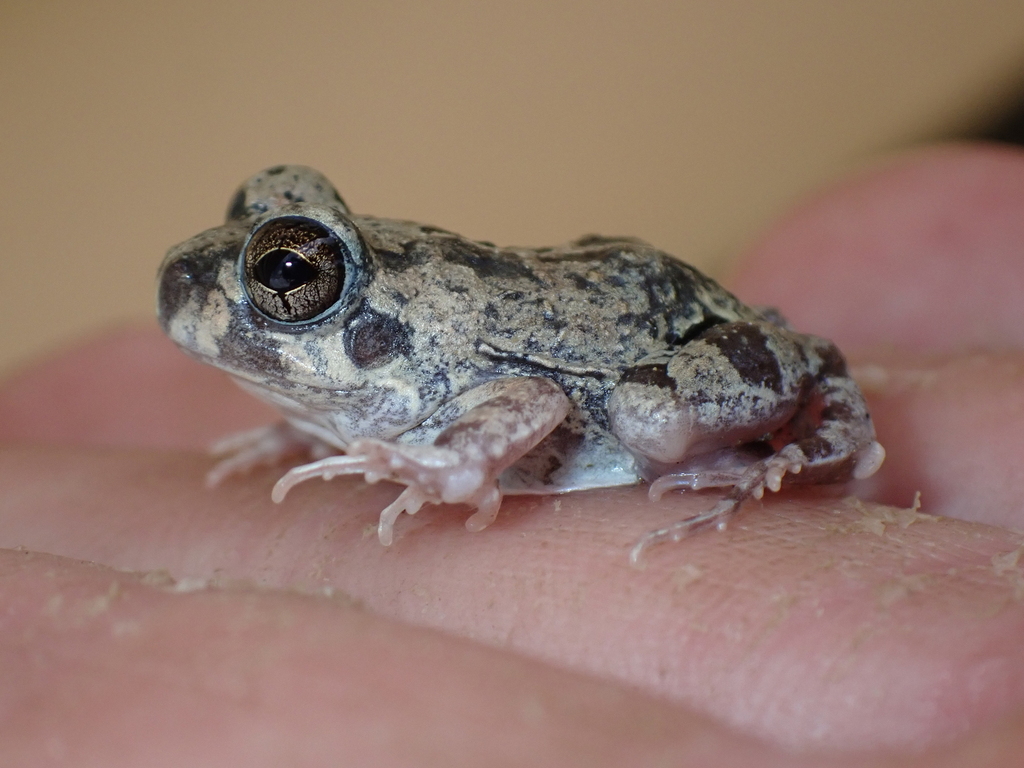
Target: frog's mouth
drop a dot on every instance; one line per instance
(253, 366)
(285, 398)
(287, 391)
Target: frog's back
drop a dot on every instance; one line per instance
(596, 302)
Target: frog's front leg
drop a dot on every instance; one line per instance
(698, 417)
(464, 461)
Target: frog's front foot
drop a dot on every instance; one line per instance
(263, 446)
(432, 475)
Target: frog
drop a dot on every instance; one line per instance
(466, 372)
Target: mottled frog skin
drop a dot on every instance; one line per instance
(465, 371)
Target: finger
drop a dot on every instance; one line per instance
(233, 677)
(809, 621)
(922, 253)
(245, 677)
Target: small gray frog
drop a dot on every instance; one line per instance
(465, 371)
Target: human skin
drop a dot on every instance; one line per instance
(147, 620)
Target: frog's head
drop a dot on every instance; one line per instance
(275, 295)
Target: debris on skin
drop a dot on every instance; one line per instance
(1007, 566)
(161, 579)
(80, 610)
(1007, 563)
(874, 518)
(685, 575)
(158, 578)
(186, 585)
(899, 588)
(101, 603)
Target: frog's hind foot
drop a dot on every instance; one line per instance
(750, 482)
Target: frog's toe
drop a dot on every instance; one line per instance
(328, 469)
(487, 510)
(775, 469)
(751, 482)
(718, 516)
(721, 468)
(409, 501)
(869, 460)
(487, 501)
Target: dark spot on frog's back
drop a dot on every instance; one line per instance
(372, 339)
(580, 282)
(485, 262)
(817, 448)
(655, 375)
(670, 285)
(414, 253)
(832, 362)
(838, 412)
(746, 347)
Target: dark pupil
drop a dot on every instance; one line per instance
(282, 270)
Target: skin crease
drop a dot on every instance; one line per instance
(855, 633)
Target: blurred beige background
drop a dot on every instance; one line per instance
(125, 126)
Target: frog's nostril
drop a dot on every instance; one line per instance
(176, 281)
(181, 270)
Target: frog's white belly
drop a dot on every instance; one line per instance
(602, 463)
(514, 481)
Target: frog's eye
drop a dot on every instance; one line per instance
(294, 269)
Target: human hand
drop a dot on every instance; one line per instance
(813, 621)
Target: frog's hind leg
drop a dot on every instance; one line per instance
(740, 384)
(831, 440)
(840, 447)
